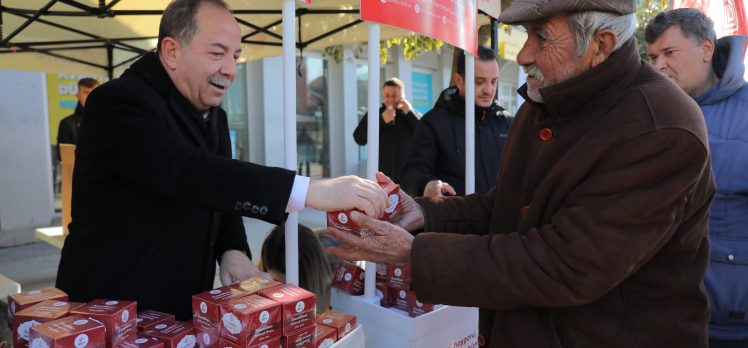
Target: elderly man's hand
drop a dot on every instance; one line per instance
(437, 188)
(345, 193)
(388, 244)
(411, 216)
(236, 266)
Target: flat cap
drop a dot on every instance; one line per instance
(530, 10)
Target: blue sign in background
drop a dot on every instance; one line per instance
(423, 99)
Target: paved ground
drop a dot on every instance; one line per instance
(34, 265)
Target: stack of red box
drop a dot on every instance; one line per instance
(26, 299)
(348, 278)
(326, 336)
(119, 318)
(299, 309)
(174, 334)
(39, 313)
(73, 331)
(206, 309)
(251, 321)
(395, 287)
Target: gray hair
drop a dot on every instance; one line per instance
(585, 24)
(694, 24)
(179, 20)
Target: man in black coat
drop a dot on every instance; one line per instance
(397, 121)
(435, 164)
(67, 133)
(157, 199)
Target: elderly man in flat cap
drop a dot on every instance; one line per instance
(597, 233)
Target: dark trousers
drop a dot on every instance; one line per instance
(715, 343)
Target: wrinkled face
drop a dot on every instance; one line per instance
(548, 55)
(679, 58)
(83, 93)
(392, 95)
(486, 78)
(207, 66)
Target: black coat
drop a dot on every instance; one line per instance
(67, 133)
(157, 198)
(437, 149)
(394, 140)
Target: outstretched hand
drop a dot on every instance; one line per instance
(388, 243)
(345, 193)
(236, 266)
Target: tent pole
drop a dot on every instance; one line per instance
(469, 123)
(110, 60)
(289, 128)
(5, 41)
(372, 154)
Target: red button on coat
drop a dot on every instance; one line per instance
(481, 340)
(525, 209)
(546, 134)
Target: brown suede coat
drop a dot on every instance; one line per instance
(597, 233)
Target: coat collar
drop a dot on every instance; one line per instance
(592, 88)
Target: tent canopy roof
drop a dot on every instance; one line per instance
(97, 36)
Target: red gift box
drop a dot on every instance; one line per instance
(383, 291)
(326, 336)
(304, 338)
(177, 334)
(400, 299)
(207, 339)
(41, 312)
(415, 307)
(206, 311)
(151, 317)
(119, 317)
(250, 320)
(349, 278)
(255, 284)
(342, 322)
(400, 276)
(26, 299)
(272, 343)
(299, 306)
(342, 219)
(74, 331)
(141, 342)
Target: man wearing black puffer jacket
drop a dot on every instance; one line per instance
(435, 164)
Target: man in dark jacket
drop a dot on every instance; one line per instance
(157, 199)
(596, 235)
(397, 121)
(683, 45)
(436, 161)
(67, 133)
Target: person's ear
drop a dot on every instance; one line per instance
(603, 43)
(460, 83)
(708, 48)
(170, 51)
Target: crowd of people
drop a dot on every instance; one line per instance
(610, 212)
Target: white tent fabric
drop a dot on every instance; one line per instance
(73, 36)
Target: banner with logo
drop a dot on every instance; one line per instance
(730, 16)
(452, 21)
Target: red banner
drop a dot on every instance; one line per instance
(452, 21)
(730, 17)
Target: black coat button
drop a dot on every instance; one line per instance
(247, 206)
(238, 206)
(263, 210)
(255, 209)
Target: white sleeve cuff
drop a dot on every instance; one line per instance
(298, 194)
